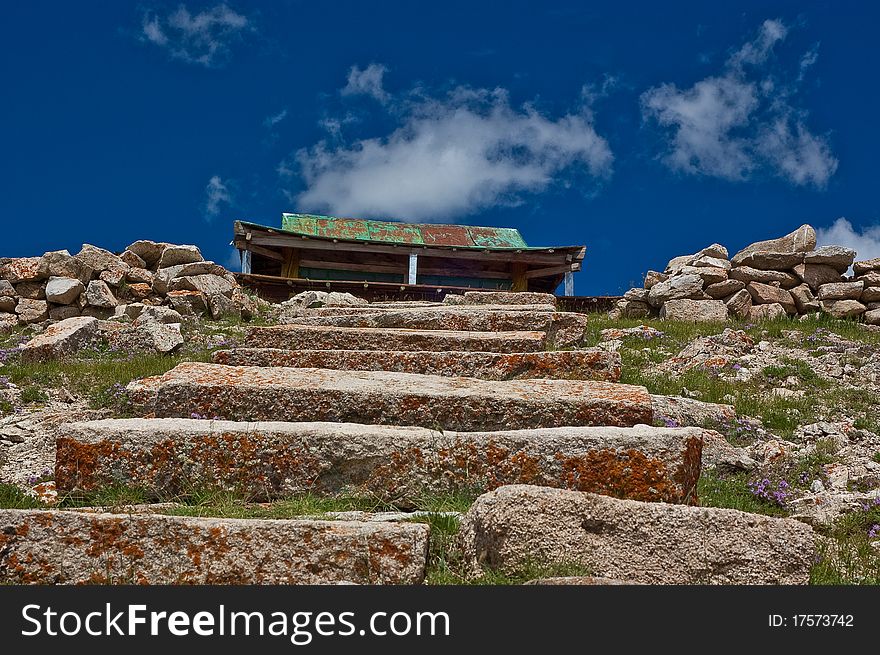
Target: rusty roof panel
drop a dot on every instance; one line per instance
(496, 237)
(355, 229)
(446, 235)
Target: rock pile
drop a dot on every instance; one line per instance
(787, 276)
(100, 284)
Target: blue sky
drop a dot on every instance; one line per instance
(641, 130)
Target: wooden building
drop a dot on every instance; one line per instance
(397, 260)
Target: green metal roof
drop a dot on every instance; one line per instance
(423, 234)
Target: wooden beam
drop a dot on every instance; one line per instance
(265, 252)
(520, 282)
(552, 270)
(351, 266)
(290, 267)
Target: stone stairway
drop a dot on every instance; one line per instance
(390, 402)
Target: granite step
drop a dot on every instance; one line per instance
(380, 397)
(170, 457)
(304, 337)
(592, 364)
(69, 547)
(563, 329)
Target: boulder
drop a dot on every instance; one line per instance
(162, 278)
(841, 291)
(32, 311)
(764, 294)
(724, 289)
(137, 275)
(862, 267)
(639, 295)
(716, 250)
(113, 277)
(871, 279)
(60, 339)
(711, 262)
(815, 275)
(676, 263)
(60, 263)
(8, 322)
(872, 317)
(871, 294)
(519, 526)
(6, 288)
(802, 239)
(679, 286)
(739, 304)
(207, 284)
(188, 303)
(709, 274)
(249, 305)
(837, 257)
(697, 311)
(31, 290)
(200, 268)
(165, 337)
(804, 299)
(766, 312)
(691, 412)
(176, 255)
(98, 295)
(653, 277)
(63, 290)
(148, 251)
(139, 290)
(151, 314)
(748, 274)
(223, 307)
(133, 260)
(63, 312)
(23, 269)
(8, 303)
(102, 313)
(633, 309)
(771, 261)
(842, 308)
(100, 260)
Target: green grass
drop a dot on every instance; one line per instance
(781, 415)
(116, 495)
(33, 394)
(11, 497)
(848, 555)
(733, 493)
(93, 375)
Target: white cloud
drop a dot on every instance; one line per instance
(451, 156)
(367, 81)
(203, 38)
(841, 233)
(272, 121)
(741, 122)
(217, 194)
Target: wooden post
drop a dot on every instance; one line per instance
(519, 280)
(413, 267)
(569, 283)
(245, 257)
(290, 266)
